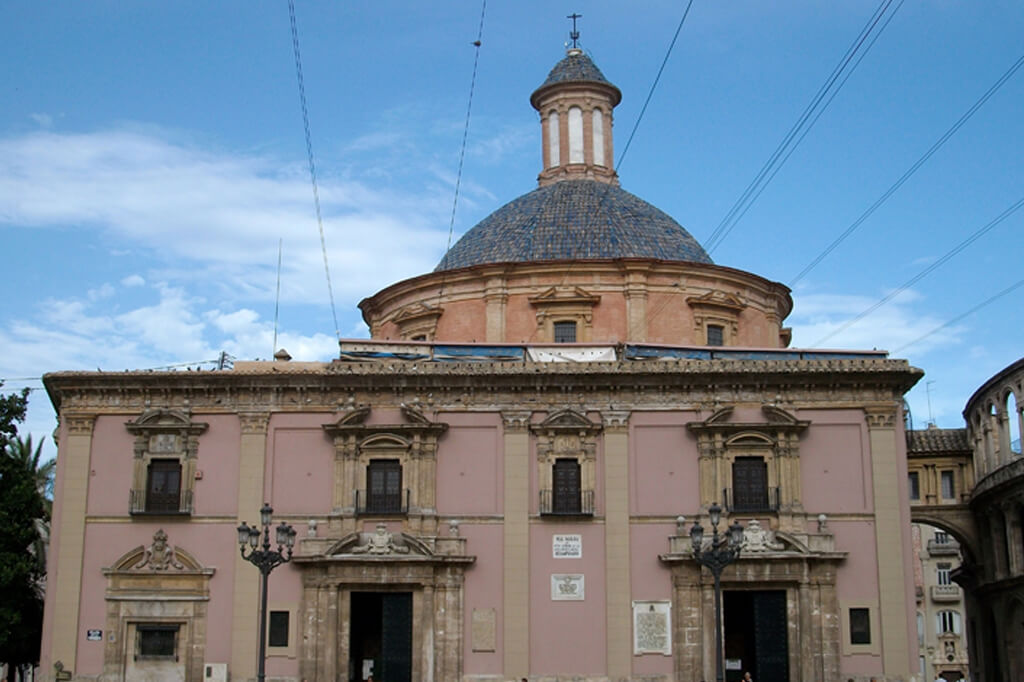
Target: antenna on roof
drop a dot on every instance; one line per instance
(574, 35)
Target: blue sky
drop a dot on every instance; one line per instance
(152, 156)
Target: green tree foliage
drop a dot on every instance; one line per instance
(24, 513)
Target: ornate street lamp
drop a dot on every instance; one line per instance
(266, 560)
(716, 555)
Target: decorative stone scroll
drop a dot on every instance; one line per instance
(652, 627)
(159, 556)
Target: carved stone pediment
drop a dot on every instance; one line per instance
(757, 539)
(158, 557)
(567, 420)
(565, 295)
(777, 422)
(418, 312)
(718, 300)
(353, 423)
(380, 543)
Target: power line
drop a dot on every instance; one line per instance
(465, 134)
(956, 319)
(654, 85)
(913, 169)
(762, 178)
(312, 165)
(977, 234)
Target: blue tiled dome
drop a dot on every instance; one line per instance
(570, 220)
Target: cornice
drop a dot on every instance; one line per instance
(326, 387)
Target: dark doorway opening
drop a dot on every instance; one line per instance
(381, 637)
(755, 634)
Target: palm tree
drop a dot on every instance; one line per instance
(21, 450)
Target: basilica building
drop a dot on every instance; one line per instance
(501, 483)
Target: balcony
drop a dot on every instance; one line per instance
(552, 504)
(159, 504)
(766, 500)
(945, 593)
(378, 504)
(948, 548)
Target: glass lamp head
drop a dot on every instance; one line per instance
(697, 536)
(715, 514)
(736, 534)
(266, 513)
(254, 537)
(243, 534)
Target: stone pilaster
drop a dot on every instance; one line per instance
(886, 474)
(618, 609)
(245, 618)
(70, 537)
(516, 595)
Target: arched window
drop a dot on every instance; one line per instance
(576, 135)
(598, 137)
(1013, 418)
(553, 140)
(947, 622)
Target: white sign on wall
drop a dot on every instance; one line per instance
(567, 586)
(652, 627)
(567, 546)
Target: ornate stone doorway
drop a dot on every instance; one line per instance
(380, 637)
(756, 638)
(392, 599)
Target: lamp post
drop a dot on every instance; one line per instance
(716, 555)
(266, 560)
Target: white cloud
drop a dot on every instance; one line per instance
(133, 281)
(890, 327)
(223, 213)
(42, 120)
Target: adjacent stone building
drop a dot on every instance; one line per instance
(500, 483)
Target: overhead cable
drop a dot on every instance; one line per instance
(977, 234)
(312, 165)
(465, 135)
(910, 171)
(804, 123)
(956, 319)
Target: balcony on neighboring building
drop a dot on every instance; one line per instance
(945, 593)
(567, 503)
(943, 547)
(376, 503)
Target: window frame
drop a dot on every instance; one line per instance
(381, 473)
(947, 476)
(559, 327)
(140, 631)
(860, 631)
(914, 485)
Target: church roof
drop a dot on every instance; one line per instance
(574, 219)
(576, 67)
(935, 440)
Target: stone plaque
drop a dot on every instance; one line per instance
(163, 443)
(567, 587)
(652, 627)
(483, 629)
(567, 546)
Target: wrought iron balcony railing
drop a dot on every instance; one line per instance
(142, 502)
(765, 500)
(554, 503)
(368, 504)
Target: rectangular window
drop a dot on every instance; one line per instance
(277, 634)
(915, 485)
(566, 478)
(942, 574)
(163, 486)
(860, 626)
(941, 538)
(565, 332)
(750, 484)
(948, 491)
(156, 641)
(384, 486)
(716, 335)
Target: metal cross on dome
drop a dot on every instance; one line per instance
(574, 35)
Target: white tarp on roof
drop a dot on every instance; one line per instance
(571, 354)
